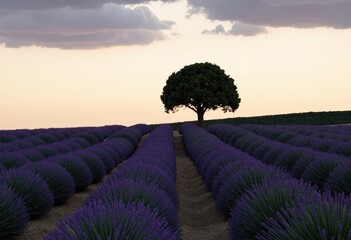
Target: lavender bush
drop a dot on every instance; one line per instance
(326, 218)
(14, 216)
(77, 168)
(138, 191)
(242, 181)
(113, 221)
(31, 188)
(263, 202)
(13, 160)
(94, 162)
(59, 180)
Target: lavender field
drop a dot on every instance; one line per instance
(223, 182)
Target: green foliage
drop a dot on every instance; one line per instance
(200, 87)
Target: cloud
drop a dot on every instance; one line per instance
(54, 4)
(82, 41)
(278, 13)
(237, 29)
(278, 3)
(67, 27)
(246, 30)
(219, 29)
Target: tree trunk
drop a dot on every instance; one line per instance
(200, 118)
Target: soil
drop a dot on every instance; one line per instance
(199, 218)
(197, 211)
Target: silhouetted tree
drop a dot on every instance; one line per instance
(200, 87)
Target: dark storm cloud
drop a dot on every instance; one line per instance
(105, 26)
(279, 13)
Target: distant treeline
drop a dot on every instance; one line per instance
(306, 118)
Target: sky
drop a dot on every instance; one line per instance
(94, 63)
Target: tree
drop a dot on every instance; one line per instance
(200, 87)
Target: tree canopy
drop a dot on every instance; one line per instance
(200, 87)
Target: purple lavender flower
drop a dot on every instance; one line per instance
(78, 169)
(326, 218)
(286, 160)
(35, 141)
(94, 162)
(217, 165)
(302, 141)
(8, 147)
(14, 216)
(7, 137)
(61, 147)
(138, 191)
(242, 181)
(23, 144)
(32, 154)
(47, 137)
(302, 163)
(2, 168)
(286, 136)
(343, 149)
(223, 176)
(81, 141)
(31, 188)
(73, 145)
(324, 145)
(162, 160)
(115, 220)
(318, 171)
(271, 156)
(47, 150)
(91, 138)
(119, 148)
(105, 156)
(261, 150)
(263, 202)
(339, 180)
(126, 134)
(149, 173)
(59, 180)
(13, 160)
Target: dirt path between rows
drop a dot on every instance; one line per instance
(198, 216)
(197, 209)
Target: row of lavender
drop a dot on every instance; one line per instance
(324, 139)
(325, 170)
(51, 142)
(262, 201)
(31, 189)
(138, 201)
(339, 132)
(54, 139)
